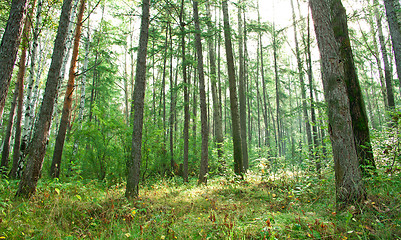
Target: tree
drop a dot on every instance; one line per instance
(37, 148)
(186, 94)
(302, 82)
(9, 47)
(387, 68)
(134, 163)
(349, 185)
(202, 96)
(357, 104)
(236, 128)
(65, 117)
(241, 89)
(218, 123)
(392, 11)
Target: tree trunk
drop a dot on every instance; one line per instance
(241, 90)
(392, 11)
(37, 148)
(349, 185)
(387, 68)
(134, 164)
(218, 123)
(236, 128)
(29, 99)
(359, 117)
(186, 94)
(202, 96)
(65, 117)
(9, 47)
(7, 138)
(302, 82)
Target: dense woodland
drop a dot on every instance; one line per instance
(200, 119)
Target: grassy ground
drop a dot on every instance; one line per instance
(284, 207)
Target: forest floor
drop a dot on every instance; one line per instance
(285, 207)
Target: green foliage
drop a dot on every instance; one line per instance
(291, 206)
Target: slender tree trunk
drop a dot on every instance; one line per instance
(308, 56)
(349, 185)
(241, 90)
(134, 164)
(387, 68)
(202, 95)
(218, 123)
(186, 94)
(302, 82)
(172, 103)
(28, 118)
(83, 88)
(37, 148)
(65, 117)
(236, 128)
(9, 47)
(359, 117)
(7, 138)
(392, 12)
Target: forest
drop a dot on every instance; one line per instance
(200, 119)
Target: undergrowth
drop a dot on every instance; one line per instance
(286, 207)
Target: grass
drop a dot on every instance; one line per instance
(286, 207)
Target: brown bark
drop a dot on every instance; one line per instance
(186, 95)
(236, 128)
(66, 112)
(9, 47)
(241, 90)
(37, 148)
(134, 164)
(202, 97)
(218, 123)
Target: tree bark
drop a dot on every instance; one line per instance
(359, 117)
(186, 95)
(37, 148)
(236, 128)
(392, 11)
(241, 89)
(202, 96)
(65, 117)
(302, 82)
(134, 164)
(9, 47)
(7, 138)
(349, 185)
(387, 69)
(217, 119)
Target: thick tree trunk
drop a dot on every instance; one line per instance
(359, 117)
(65, 117)
(9, 47)
(241, 89)
(134, 164)
(349, 185)
(202, 96)
(236, 128)
(37, 148)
